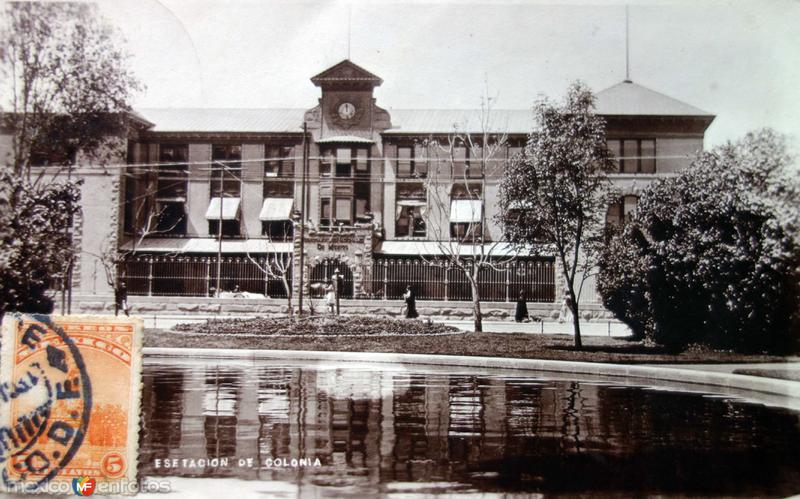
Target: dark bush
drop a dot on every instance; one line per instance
(712, 256)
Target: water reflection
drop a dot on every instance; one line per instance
(379, 433)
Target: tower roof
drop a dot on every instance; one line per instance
(346, 72)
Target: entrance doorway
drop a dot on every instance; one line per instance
(324, 271)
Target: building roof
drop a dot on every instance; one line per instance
(623, 99)
(631, 99)
(199, 120)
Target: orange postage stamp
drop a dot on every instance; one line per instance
(69, 403)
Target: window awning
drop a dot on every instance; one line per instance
(229, 209)
(434, 248)
(465, 211)
(276, 209)
(351, 139)
(411, 202)
(209, 246)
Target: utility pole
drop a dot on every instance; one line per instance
(219, 227)
(301, 265)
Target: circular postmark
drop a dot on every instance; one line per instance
(49, 403)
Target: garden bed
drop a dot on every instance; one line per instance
(319, 326)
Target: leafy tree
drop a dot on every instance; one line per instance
(558, 188)
(34, 243)
(712, 256)
(64, 87)
(65, 84)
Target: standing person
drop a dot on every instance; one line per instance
(566, 309)
(411, 303)
(522, 308)
(121, 299)
(330, 298)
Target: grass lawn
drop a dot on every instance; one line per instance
(262, 334)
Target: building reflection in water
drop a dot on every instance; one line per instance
(379, 432)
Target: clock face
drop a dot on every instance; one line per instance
(347, 111)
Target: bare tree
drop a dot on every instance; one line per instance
(276, 267)
(461, 164)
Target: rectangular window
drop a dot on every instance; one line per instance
(279, 162)
(465, 231)
(226, 169)
(230, 228)
(469, 191)
(362, 163)
(614, 151)
(343, 170)
(325, 212)
(361, 190)
(278, 230)
(410, 221)
(172, 173)
(634, 155)
(648, 154)
(344, 210)
(405, 161)
(630, 156)
(459, 161)
(171, 218)
(475, 166)
(326, 164)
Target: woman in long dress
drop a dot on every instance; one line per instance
(522, 308)
(411, 303)
(330, 298)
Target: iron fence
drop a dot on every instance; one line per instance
(439, 280)
(153, 275)
(385, 278)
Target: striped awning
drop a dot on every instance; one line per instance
(276, 209)
(229, 208)
(465, 211)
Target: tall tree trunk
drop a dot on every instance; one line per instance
(289, 297)
(476, 304)
(576, 324)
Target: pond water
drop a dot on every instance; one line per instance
(383, 431)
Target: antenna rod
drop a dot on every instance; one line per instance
(349, 30)
(627, 49)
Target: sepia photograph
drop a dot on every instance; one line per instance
(399, 248)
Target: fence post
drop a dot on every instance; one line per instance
(446, 281)
(385, 278)
(150, 276)
(208, 275)
(508, 282)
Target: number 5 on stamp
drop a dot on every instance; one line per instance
(70, 392)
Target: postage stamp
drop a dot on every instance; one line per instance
(70, 389)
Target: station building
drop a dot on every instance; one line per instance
(205, 183)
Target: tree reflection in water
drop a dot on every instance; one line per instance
(390, 432)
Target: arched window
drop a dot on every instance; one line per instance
(621, 210)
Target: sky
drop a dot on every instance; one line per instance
(738, 60)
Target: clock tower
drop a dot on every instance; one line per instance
(347, 107)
